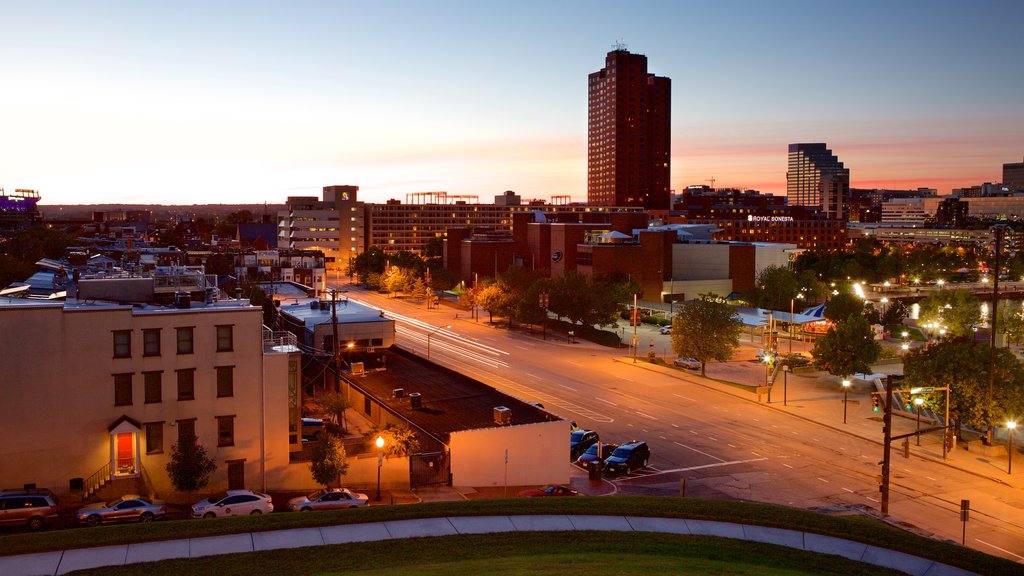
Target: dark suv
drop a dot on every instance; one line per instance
(628, 457)
(32, 508)
(580, 440)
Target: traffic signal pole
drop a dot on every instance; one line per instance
(887, 430)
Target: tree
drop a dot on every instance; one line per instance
(328, 463)
(843, 305)
(568, 297)
(706, 329)
(190, 466)
(894, 313)
(774, 287)
(963, 366)
(493, 299)
(957, 311)
(1010, 321)
(399, 439)
(398, 279)
(847, 348)
(333, 405)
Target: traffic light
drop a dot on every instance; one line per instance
(875, 402)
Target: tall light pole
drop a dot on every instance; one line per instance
(999, 230)
(785, 383)
(918, 402)
(431, 333)
(380, 462)
(1009, 461)
(846, 393)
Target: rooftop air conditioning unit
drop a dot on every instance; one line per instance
(314, 304)
(358, 369)
(502, 416)
(415, 400)
(398, 392)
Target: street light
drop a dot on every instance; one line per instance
(1009, 461)
(380, 461)
(918, 402)
(846, 394)
(431, 333)
(785, 382)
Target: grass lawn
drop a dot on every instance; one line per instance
(527, 554)
(858, 528)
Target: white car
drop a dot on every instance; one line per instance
(665, 330)
(233, 503)
(330, 499)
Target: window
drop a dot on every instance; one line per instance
(225, 339)
(122, 389)
(186, 428)
(225, 381)
(184, 340)
(151, 342)
(186, 384)
(122, 343)
(225, 430)
(154, 437)
(153, 390)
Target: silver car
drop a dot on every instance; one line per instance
(128, 508)
(328, 500)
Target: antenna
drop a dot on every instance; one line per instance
(712, 180)
(620, 44)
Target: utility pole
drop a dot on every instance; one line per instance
(887, 430)
(999, 230)
(334, 342)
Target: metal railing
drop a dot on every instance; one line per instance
(280, 341)
(98, 480)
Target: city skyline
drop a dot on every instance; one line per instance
(250, 103)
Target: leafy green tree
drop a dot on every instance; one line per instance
(958, 311)
(373, 260)
(1010, 321)
(963, 365)
(568, 297)
(529, 309)
(847, 348)
(494, 299)
(706, 329)
(36, 243)
(607, 296)
(190, 466)
(399, 439)
(398, 279)
(842, 306)
(328, 463)
(774, 287)
(894, 313)
(333, 405)
(14, 270)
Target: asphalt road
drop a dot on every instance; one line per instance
(726, 446)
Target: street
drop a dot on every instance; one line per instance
(719, 437)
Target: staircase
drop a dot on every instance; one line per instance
(100, 486)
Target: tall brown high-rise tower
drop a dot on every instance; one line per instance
(629, 144)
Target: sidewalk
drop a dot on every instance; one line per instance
(818, 397)
(55, 563)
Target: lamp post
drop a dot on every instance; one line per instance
(918, 402)
(846, 394)
(380, 462)
(785, 382)
(431, 333)
(1009, 460)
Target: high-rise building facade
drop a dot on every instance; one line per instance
(1013, 176)
(818, 179)
(629, 134)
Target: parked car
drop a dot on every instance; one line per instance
(330, 499)
(688, 363)
(128, 508)
(233, 503)
(551, 490)
(665, 330)
(590, 457)
(580, 440)
(628, 457)
(313, 428)
(30, 508)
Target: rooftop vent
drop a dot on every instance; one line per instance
(502, 416)
(415, 400)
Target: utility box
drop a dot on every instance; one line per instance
(502, 416)
(358, 369)
(398, 392)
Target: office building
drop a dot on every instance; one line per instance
(629, 134)
(331, 225)
(1013, 176)
(818, 179)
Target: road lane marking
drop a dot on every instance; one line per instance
(715, 465)
(786, 465)
(932, 479)
(822, 479)
(605, 401)
(842, 447)
(626, 379)
(574, 363)
(683, 397)
(675, 425)
(646, 415)
(756, 454)
(731, 445)
(662, 437)
(698, 451)
(694, 432)
(1000, 549)
(568, 387)
(848, 490)
(532, 375)
(712, 438)
(870, 498)
(755, 419)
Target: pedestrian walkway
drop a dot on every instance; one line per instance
(54, 563)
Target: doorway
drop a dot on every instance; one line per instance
(236, 474)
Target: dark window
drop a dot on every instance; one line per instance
(367, 404)
(122, 343)
(186, 428)
(154, 437)
(225, 381)
(151, 342)
(184, 340)
(122, 389)
(225, 339)
(186, 384)
(153, 387)
(225, 430)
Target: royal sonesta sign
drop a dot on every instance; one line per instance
(752, 218)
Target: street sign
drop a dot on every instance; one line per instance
(922, 390)
(965, 510)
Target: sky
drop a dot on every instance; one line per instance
(249, 102)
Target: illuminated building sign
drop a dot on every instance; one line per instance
(752, 218)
